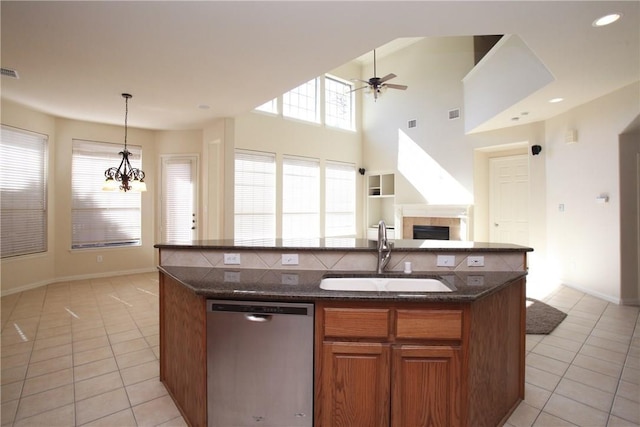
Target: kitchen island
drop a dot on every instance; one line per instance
(381, 358)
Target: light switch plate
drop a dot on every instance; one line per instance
(475, 261)
(289, 259)
(232, 259)
(446, 260)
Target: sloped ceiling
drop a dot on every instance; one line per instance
(74, 59)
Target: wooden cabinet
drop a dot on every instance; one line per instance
(356, 384)
(426, 385)
(411, 364)
(388, 366)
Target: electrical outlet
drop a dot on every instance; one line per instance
(446, 260)
(475, 261)
(289, 279)
(232, 276)
(99, 258)
(289, 259)
(475, 280)
(232, 259)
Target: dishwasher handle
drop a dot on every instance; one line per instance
(260, 318)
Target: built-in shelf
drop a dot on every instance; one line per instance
(381, 189)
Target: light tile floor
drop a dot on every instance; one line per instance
(86, 353)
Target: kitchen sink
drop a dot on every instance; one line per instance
(384, 284)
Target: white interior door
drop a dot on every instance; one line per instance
(509, 200)
(179, 198)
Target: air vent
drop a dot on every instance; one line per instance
(454, 114)
(6, 72)
(412, 123)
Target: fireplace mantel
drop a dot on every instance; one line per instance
(454, 216)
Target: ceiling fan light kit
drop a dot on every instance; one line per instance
(378, 85)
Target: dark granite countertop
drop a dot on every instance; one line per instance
(304, 285)
(406, 245)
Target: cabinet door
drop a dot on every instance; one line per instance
(355, 385)
(426, 386)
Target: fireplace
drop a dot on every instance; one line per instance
(430, 232)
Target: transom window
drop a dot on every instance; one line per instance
(339, 100)
(302, 102)
(269, 106)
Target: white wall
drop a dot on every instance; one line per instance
(584, 241)
(436, 149)
(580, 247)
(630, 214)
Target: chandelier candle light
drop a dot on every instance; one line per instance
(130, 178)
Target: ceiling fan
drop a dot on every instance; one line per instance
(378, 84)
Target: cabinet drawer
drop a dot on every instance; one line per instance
(356, 323)
(429, 324)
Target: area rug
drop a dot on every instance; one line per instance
(542, 319)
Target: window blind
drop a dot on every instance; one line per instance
(102, 218)
(300, 198)
(178, 199)
(23, 192)
(255, 195)
(340, 199)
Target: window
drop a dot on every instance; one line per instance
(302, 102)
(23, 198)
(178, 198)
(300, 198)
(269, 107)
(102, 218)
(255, 196)
(340, 199)
(339, 110)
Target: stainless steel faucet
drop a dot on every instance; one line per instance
(384, 249)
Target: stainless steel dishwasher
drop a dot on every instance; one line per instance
(259, 364)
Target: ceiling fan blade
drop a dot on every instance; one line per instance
(358, 80)
(353, 90)
(387, 77)
(392, 86)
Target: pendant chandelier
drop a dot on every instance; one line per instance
(124, 177)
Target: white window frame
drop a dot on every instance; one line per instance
(303, 102)
(23, 185)
(340, 199)
(102, 219)
(254, 196)
(332, 97)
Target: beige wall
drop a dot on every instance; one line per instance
(60, 262)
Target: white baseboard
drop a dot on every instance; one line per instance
(30, 286)
(591, 292)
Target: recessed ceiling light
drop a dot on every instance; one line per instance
(556, 100)
(606, 20)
